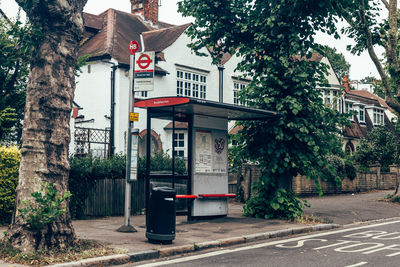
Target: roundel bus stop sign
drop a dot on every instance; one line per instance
(144, 71)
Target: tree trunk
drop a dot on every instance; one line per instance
(46, 134)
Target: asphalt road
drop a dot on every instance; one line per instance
(375, 244)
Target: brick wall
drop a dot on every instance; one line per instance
(374, 179)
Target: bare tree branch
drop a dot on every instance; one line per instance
(385, 3)
(5, 16)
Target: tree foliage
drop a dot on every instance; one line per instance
(16, 46)
(274, 38)
(369, 32)
(380, 146)
(339, 63)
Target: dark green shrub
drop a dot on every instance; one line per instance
(269, 202)
(161, 162)
(351, 171)
(79, 183)
(380, 146)
(9, 165)
(334, 170)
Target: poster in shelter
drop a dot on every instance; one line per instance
(203, 152)
(219, 152)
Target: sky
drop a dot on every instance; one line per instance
(361, 66)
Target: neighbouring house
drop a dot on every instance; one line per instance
(358, 85)
(371, 110)
(100, 115)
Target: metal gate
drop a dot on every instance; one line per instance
(92, 142)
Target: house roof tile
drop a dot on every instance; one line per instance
(367, 94)
(158, 40)
(109, 33)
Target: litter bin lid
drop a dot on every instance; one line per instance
(164, 189)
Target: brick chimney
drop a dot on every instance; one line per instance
(346, 84)
(148, 9)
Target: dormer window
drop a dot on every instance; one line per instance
(378, 117)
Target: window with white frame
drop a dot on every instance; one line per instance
(331, 98)
(179, 144)
(378, 116)
(237, 86)
(361, 114)
(141, 94)
(348, 107)
(191, 84)
(327, 97)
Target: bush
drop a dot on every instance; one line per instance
(161, 162)
(9, 165)
(270, 202)
(351, 171)
(335, 170)
(380, 146)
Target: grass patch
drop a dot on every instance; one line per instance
(84, 249)
(392, 198)
(312, 219)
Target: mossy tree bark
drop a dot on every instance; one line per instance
(46, 134)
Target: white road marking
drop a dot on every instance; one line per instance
(226, 251)
(357, 264)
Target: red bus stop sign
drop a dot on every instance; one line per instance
(133, 47)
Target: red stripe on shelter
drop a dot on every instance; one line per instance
(162, 102)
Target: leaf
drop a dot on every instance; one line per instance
(275, 206)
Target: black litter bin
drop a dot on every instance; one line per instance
(161, 217)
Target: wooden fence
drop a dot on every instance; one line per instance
(107, 198)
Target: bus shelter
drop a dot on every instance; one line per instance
(206, 179)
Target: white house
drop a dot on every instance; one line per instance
(100, 117)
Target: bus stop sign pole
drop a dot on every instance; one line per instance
(132, 145)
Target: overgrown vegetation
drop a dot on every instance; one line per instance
(268, 202)
(380, 146)
(9, 165)
(45, 207)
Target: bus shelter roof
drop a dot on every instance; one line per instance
(183, 106)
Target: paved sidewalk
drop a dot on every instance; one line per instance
(230, 230)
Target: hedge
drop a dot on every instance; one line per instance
(85, 171)
(9, 165)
